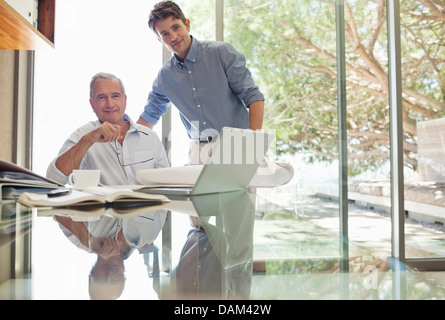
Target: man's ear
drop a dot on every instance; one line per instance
(187, 24)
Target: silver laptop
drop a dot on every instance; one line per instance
(235, 158)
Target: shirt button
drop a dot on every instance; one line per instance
(190, 72)
(204, 123)
(199, 106)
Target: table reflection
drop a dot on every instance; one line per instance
(194, 248)
(214, 258)
(113, 240)
(15, 250)
(215, 261)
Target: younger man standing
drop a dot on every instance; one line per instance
(207, 81)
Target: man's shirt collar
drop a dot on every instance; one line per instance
(192, 55)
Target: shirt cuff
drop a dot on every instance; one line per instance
(254, 98)
(149, 118)
(55, 174)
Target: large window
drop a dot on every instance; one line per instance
(422, 28)
(91, 37)
(291, 47)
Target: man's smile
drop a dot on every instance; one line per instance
(177, 43)
(110, 110)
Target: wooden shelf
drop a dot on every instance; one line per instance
(16, 33)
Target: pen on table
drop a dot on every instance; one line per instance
(58, 192)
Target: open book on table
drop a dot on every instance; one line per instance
(105, 196)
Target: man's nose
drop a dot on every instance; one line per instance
(108, 102)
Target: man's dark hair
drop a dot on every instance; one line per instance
(163, 10)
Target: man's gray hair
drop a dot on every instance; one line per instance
(102, 76)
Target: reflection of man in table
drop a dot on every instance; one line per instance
(113, 240)
(113, 143)
(215, 262)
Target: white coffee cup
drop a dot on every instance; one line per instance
(81, 179)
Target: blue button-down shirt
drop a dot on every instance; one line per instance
(212, 88)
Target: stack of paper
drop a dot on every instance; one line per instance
(15, 180)
(171, 176)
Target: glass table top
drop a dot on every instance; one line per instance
(225, 246)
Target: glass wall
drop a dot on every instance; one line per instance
(368, 119)
(422, 29)
(291, 49)
(301, 110)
